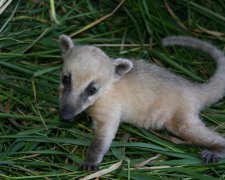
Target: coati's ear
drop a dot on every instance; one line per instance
(66, 43)
(122, 66)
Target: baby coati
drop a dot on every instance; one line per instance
(119, 90)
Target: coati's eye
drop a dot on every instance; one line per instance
(91, 89)
(66, 80)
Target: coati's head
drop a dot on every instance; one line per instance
(86, 72)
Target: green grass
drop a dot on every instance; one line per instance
(34, 144)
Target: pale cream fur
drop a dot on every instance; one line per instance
(141, 94)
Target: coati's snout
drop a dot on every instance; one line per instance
(67, 112)
(87, 72)
(72, 103)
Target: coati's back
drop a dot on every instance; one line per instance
(152, 95)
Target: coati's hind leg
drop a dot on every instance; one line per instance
(194, 131)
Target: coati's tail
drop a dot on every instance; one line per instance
(215, 88)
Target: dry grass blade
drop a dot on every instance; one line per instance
(104, 171)
(153, 167)
(174, 16)
(98, 20)
(209, 32)
(147, 161)
(170, 138)
(4, 4)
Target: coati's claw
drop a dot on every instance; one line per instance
(89, 166)
(209, 157)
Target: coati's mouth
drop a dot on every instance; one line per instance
(68, 113)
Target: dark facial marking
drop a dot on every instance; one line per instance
(91, 89)
(66, 80)
(70, 108)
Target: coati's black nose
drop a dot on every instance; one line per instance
(67, 113)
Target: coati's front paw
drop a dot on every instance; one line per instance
(89, 166)
(209, 156)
